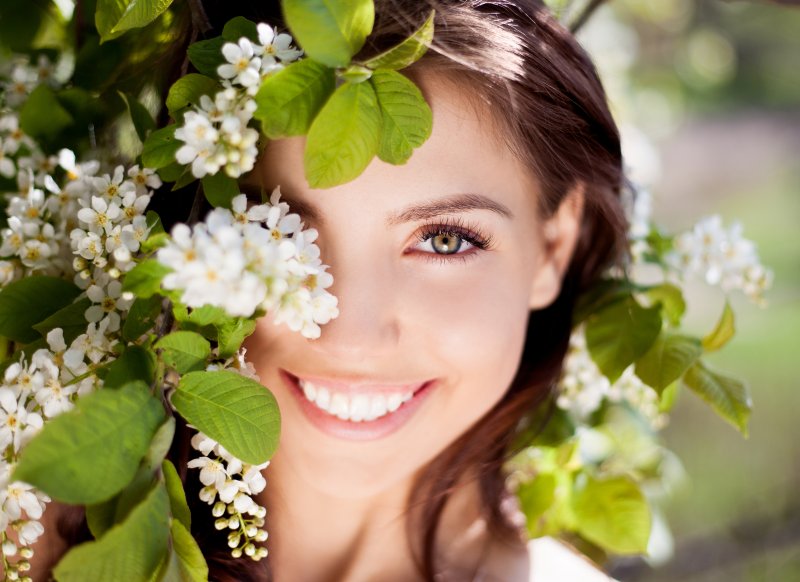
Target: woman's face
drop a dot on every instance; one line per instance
(425, 312)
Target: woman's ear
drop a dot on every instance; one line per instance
(560, 235)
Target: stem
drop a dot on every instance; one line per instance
(584, 16)
(197, 205)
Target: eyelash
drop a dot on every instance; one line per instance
(457, 227)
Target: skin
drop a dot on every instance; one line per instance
(407, 314)
(337, 508)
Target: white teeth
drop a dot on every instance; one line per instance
(323, 400)
(377, 407)
(340, 407)
(360, 408)
(394, 401)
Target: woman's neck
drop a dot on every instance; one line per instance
(318, 536)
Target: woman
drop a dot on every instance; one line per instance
(456, 275)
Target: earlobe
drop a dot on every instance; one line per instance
(559, 236)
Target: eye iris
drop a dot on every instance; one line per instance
(446, 244)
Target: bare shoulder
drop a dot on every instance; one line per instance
(555, 561)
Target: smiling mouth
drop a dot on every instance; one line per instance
(368, 404)
(363, 407)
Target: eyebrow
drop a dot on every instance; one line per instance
(449, 205)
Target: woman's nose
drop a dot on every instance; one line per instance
(368, 324)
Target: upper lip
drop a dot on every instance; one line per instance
(355, 384)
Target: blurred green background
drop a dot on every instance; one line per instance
(714, 88)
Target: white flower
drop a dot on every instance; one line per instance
(29, 532)
(17, 424)
(212, 471)
(101, 216)
(88, 245)
(7, 167)
(21, 497)
(112, 187)
(108, 302)
(721, 256)
(243, 65)
(133, 235)
(67, 160)
(95, 343)
(274, 48)
(144, 178)
(200, 137)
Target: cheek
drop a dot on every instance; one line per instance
(476, 318)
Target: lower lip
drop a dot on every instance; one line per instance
(357, 431)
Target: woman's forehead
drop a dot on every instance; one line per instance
(463, 154)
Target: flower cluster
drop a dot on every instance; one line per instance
(22, 77)
(216, 134)
(721, 256)
(245, 259)
(111, 228)
(248, 62)
(583, 387)
(32, 392)
(230, 486)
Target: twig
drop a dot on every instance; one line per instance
(584, 16)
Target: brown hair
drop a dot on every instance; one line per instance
(551, 110)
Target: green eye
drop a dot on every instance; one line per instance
(446, 243)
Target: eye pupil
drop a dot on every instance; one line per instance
(446, 244)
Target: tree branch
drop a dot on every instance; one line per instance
(584, 16)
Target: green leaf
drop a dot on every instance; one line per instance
(140, 13)
(220, 189)
(70, 319)
(172, 172)
(42, 116)
(329, 32)
(160, 147)
(620, 333)
(408, 51)
(130, 551)
(187, 91)
(192, 565)
(612, 513)
(671, 299)
(344, 137)
(185, 179)
(103, 516)
(32, 300)
(143, 122)
(177, 497)
(232, 333)
(723, 332)
(107, 14)
(206, 55)
(141, 317)
(536, 497)
(20, 21)
(289, 100)
(144, 280)
(184, 351)
(200, 316)
(238, 27)
(407, 119)
(601, 294)
(135, 363)
(729, 397)
(90, 453)
(237, 412)
(667, 359)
